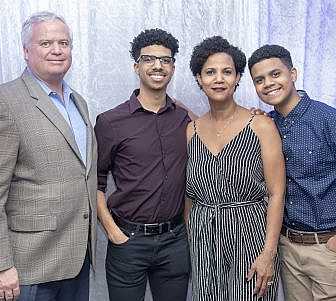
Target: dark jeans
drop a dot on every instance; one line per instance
(163, 259)
(74, 289)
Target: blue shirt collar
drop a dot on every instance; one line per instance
(67, 92)
(299, 109)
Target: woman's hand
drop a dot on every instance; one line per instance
(263, 266)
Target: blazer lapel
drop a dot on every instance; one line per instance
(45, 105)
(81, 106)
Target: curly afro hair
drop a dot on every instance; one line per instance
(153, 36)
(268, 52)
(213, 45)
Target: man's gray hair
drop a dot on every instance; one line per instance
(44, 16)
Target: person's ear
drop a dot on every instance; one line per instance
(199, 80)
(25, 53)
(237, 79)
(136, 68)
(293, 72)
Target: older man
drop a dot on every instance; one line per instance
(47, 173)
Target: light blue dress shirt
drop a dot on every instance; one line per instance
(70, 113)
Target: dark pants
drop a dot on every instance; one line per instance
(163, 259)
(74, 289)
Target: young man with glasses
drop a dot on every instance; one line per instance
(142, 143)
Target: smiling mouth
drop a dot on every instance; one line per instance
(218, 89)
(273, 92)
(56, 61)
(157, 77)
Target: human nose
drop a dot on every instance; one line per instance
(157, 63)
(56, 48)
(219, 77)
(268, 81)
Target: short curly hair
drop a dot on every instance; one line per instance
(153, 36)
(268, 52)
(213, 45)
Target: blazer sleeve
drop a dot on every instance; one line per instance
(9, 147)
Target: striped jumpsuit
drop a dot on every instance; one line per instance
(228, 218)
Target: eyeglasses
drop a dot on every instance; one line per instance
(150, 59)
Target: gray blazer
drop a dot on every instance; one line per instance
(47, 194)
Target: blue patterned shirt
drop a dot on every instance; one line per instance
(308, 135)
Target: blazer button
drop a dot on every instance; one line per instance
(85, 215)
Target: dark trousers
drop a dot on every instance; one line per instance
(74, 289)
(163, 259)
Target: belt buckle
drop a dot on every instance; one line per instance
(151, 226)
(169, 224)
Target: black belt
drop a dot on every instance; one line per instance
(149, 229)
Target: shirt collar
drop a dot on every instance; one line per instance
(67, 92)
(135, 105)
(299, 109)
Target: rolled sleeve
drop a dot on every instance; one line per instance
(106, 141)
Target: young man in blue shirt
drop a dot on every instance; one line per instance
(308, 131)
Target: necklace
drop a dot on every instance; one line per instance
(227, 122)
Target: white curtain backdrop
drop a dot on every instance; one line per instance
(102, 70)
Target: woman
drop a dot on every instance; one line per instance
(235, 163)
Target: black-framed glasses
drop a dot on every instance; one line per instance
(151, 59)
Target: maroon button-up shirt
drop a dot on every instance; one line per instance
(146, 153)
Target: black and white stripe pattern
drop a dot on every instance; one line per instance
(228, 218)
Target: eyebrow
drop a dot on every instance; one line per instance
(225, 68)
(53, 40)
(270, 72)
(257, 78)
(273, 70)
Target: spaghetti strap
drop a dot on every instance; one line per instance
(194, 122)
(251, 118)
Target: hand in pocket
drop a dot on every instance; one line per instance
(118, 237)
